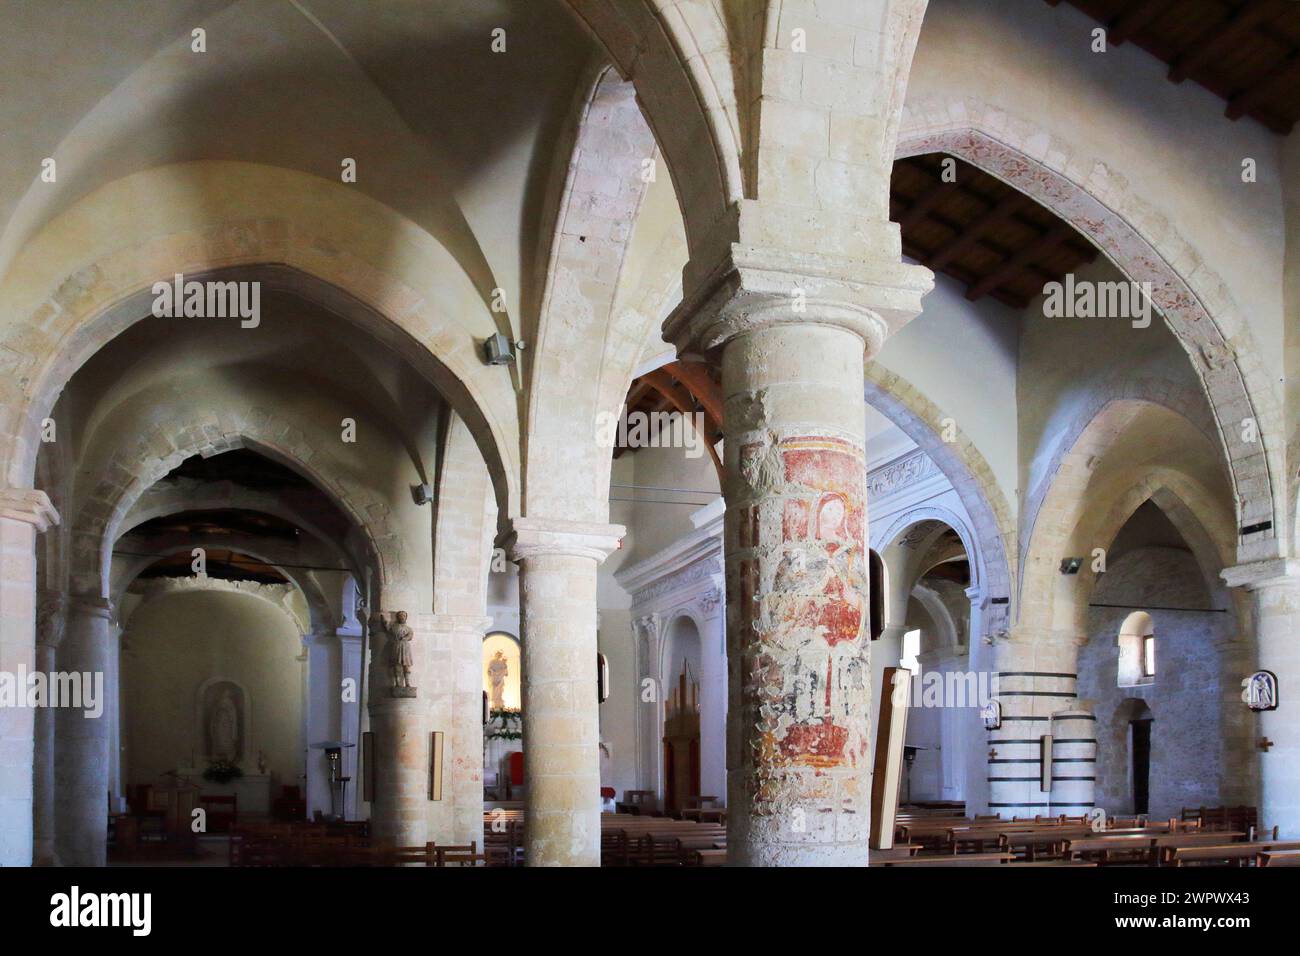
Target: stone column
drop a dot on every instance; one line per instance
(713, 697)
(51, 617)
(792, 331)
(1037, 677)
(648, 634)
(558, 562)
(81, 764)
(401, 758)
(23, 515)
(321, 708)
(350, 706)
(456, 701)
(1275, 587)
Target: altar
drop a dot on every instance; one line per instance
(254, 791)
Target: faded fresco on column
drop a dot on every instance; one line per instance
(803, 594)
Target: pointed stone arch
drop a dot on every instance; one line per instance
(1137, 238)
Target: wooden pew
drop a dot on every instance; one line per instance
(1228, 854)
(1280, 858)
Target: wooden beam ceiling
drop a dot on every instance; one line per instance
(684, 387)
(982, 232)
(1245, 51)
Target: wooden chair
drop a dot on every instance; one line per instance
(466, 855)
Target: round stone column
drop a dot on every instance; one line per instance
(51, 617)
(792, 322)
(1036, 679)
(1275, 588)
(81, 764)
(557, 588)
(799, 784)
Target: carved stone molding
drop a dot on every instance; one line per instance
(900, 473)
(541, 537)
(29, 505)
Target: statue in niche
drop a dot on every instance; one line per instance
(224, 707)
(498, 668)
(401, 655)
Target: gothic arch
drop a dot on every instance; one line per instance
(1193, 299)
(991, 523)
(1064, 515)
(76, 300)
(96, 526)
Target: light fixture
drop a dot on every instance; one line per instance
(1071, 565)
(422, 494)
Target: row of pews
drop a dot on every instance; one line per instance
(1200, 838)
(340, 845)
(634, 840)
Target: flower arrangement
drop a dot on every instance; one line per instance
(222, 770)
(506, 724)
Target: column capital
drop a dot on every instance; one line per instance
(752, 287)
(92, 605)
(1256, 575)
(28, 505)
(537, 537)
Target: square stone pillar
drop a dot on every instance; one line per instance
(558, 562)
(23, 515)
(399, 721)
(1275, 588)
(456, 692)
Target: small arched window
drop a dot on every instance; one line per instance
(1137, 650)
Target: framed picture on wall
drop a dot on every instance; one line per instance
(435, 765)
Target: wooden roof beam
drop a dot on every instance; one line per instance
(1248, 99)
(1026, 256)
(1216, 40)
(695, 376)
(1124, 26)
(917, 211)
(996, 215)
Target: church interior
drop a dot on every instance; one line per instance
(650, 434)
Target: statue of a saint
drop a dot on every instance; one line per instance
(401, 653)
(497, 670)
(223, 726)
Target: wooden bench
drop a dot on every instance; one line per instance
(1280, 858)
(1228, 854)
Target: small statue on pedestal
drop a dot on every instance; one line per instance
(401, 656)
